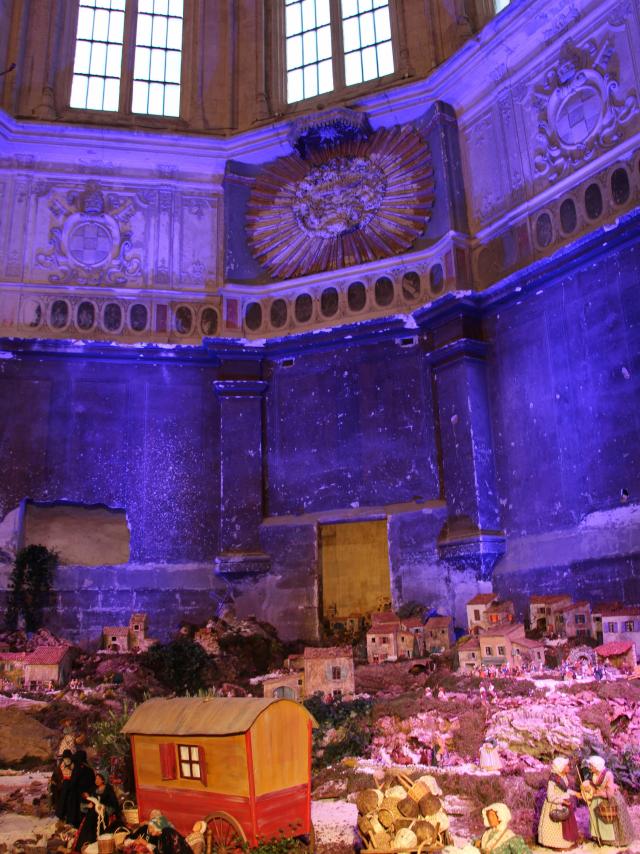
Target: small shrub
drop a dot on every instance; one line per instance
(182, 665)
(349, 725)
(30, 586)
(254, 654)
(470, 733)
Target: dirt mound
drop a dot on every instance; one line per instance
(24, 740)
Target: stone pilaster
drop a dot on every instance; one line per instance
(472, 538)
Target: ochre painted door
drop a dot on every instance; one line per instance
(355, 567)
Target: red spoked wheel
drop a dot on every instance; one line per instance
(224, 835)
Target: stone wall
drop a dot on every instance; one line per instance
(139, 434)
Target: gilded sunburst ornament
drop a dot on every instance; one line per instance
(344, 204)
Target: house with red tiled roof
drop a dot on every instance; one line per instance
(48, 664)
(620, 654)
(507, 645)
(44, 665)
(329, 670)
(545, 613)
(438, 634)
(390, 638)
(486, 611)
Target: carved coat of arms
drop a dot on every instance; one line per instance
(581, 111)
(90, 244)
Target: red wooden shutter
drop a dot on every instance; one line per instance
(168, 761)
(203, 765)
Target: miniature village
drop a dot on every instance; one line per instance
(400, 732)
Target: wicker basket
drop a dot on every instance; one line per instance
(430, 805)
(408, 808)
(106, 843)
(368, 800)
(416, 790)
(426, 832)
(607, 811)
(130, 813)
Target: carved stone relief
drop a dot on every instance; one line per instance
(346, 197)
(90, 243)
(580, 109)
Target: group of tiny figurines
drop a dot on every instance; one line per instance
(609, 820)
(84, 799)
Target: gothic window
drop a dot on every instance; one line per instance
(128, 56)
(330, 44)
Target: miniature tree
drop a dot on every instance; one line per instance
(30, 586)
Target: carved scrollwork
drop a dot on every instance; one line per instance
(88, 245)
(581, 112)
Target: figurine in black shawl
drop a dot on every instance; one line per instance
(103, 814)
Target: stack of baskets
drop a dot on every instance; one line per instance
(403, 816)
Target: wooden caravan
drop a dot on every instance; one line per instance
(242, 764)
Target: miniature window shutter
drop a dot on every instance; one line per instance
(203, 764)
(168, 761)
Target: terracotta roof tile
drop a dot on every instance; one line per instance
(614, 648)
(384, 628)
(384, 617)
(47, 655)
(328, 652)
(438, 623)
(617, 610)
(482, 599)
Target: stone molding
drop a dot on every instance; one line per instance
(240, 388)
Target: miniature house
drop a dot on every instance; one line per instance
(287, 684)
(241, 763)
(546, 613)
(616, 622)
(476, 611)
(469, 656)
(329, 670)
(620, 654)
(284, 686)
(508, 645)
(391, 638)
(46, 664)
(131, 638)
(499, 613)
(577, 621)
(438, 634)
